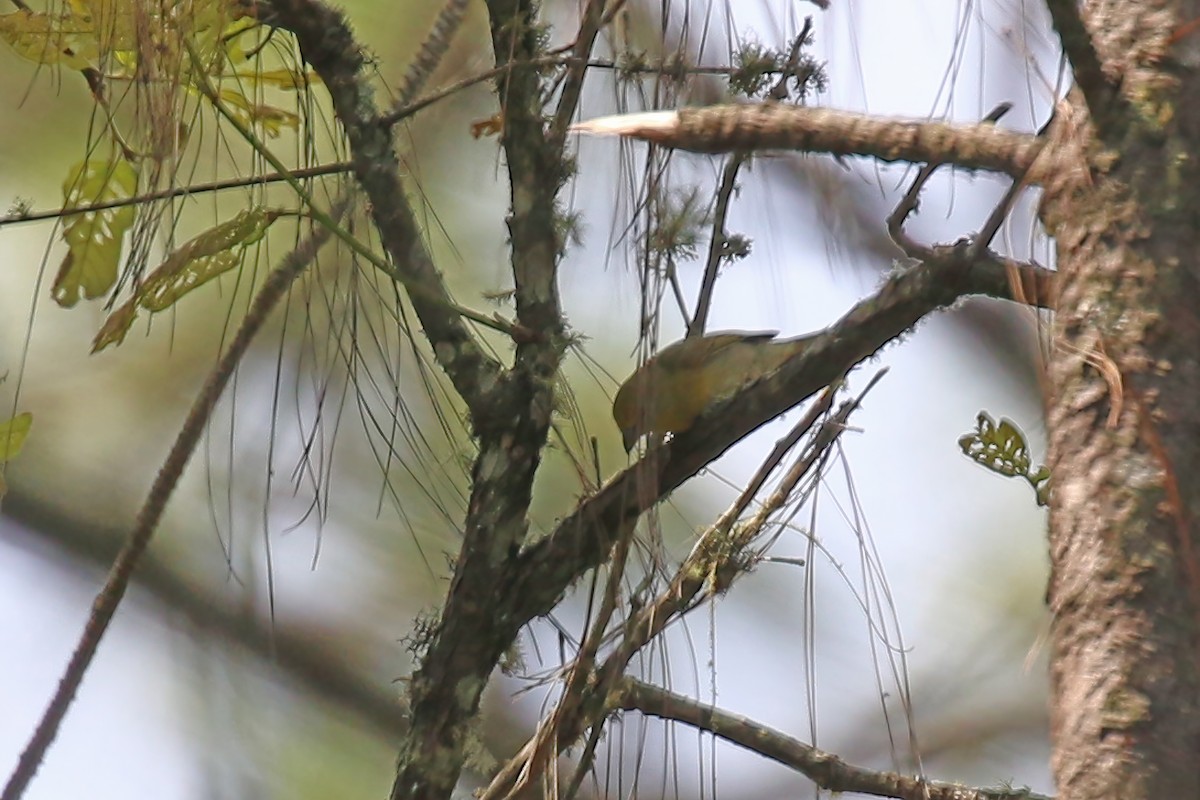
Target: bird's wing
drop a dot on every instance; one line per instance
(699, 351)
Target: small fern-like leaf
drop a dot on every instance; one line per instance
(1002, 448)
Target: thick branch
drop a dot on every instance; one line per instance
(476, 627)
(824, 769)
(775, 126)
(582, 540)
(536, 171)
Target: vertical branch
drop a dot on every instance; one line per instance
(1124, 424)
(1103, 98)
(536, 171)
(717, 245)
(478, 622)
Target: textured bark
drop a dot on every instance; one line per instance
(778, 126)
(1125, 422)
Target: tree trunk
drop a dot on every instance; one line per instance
(1124, 411)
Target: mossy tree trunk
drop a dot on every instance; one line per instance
(1124, 405)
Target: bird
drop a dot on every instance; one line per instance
(668, 392)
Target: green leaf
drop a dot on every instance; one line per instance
(190, 266)
(94, 238)
(58, 39)
(12, 436)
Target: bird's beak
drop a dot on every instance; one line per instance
(628, 438)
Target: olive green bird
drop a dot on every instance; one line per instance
(672, 389)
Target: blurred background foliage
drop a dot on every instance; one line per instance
(264, 652)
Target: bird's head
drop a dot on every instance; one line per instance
(626, 412)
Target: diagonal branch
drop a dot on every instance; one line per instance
(315, 664)
(582, 540)
(108, 599)
(432, 49)
(585, 39)
(719, 242)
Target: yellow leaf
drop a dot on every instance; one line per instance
(203, 258)
(166, 292)
(12, 435)
(94, 238)
(273, 120)
(282, 78)
(80, 8)
(50, 38)
(270, 118)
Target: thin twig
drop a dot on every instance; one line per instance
(542, 746)
(585, 39)
(718, 243)
(287, 649)
(979, 244)
(825, 769)
(912, 198)
(334, 168)
(907, 205)
(988, 232)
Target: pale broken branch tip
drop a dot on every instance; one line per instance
(643, 125)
